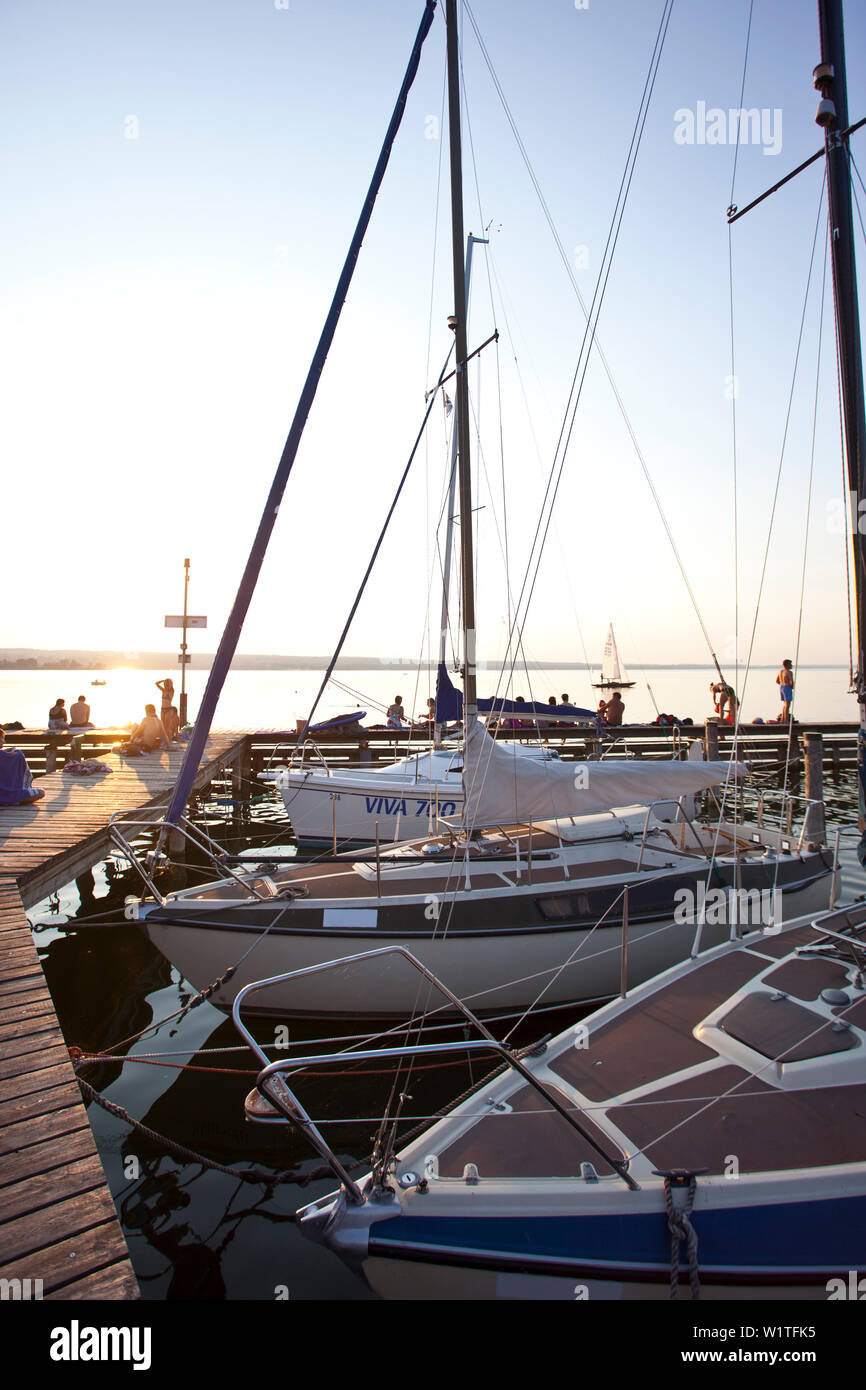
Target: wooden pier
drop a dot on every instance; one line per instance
(59, 1233)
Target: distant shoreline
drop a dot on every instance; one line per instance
(22, 659)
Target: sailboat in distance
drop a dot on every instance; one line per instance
(614, 676)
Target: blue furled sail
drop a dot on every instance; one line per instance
(449, 704)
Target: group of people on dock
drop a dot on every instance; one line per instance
(77, 718)
(154, 730)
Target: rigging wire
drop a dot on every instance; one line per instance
(733, 393)
(748, 666)
(596, 341)
(589, 337)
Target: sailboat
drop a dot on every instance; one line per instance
(530, 895)
(601, 1165)
(613, 673)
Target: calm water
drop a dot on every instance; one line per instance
(192, 1233)
(275, 699)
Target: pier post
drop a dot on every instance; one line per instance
(815, 828)
(837, 763)
(711, 742)
(51, 756)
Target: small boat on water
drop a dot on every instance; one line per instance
(614, 676)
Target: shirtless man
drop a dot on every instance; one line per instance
(613, 710)
(785, 682)
(79, 714)
(150, 734)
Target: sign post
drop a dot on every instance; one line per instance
(184, 621)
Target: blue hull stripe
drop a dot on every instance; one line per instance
(827, 1234)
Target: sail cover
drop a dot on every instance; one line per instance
(449, 704)
(502, 788)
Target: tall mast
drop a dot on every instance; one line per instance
(231, 635)
(470, 697)
(830, 81)
(471, 241)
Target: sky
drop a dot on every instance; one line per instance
(181, 184)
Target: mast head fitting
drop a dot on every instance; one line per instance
(826, 113)
(452, 323)
(822, 76)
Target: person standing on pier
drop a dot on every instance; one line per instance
(785, 682)
(166, 689)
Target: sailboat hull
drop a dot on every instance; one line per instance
(497, 954)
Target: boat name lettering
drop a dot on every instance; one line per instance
(397, 806)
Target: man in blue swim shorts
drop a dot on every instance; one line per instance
(785, 682)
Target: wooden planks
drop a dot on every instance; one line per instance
(45, 845)
(57, 1218)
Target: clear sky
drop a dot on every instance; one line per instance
(181, 181)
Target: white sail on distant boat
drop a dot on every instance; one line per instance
(614, 676)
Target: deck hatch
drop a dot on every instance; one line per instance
(780, 1029)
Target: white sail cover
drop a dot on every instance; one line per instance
(612, 669)
(502, 788)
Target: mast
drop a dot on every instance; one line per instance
(471, 241)
(470, 697)
(830, 80)
(231, 635)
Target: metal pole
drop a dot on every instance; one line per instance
(449, 515)
(623, 978)
(231, 636)
(470, 700)
(830, 80)
(182, 711)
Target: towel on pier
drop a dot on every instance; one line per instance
(89, 768)
(16, 779)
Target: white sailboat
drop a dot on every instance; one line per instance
(531, 893)
(613, 673)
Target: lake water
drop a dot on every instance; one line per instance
(276, 699)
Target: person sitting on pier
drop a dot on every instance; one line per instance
(79, 714)
(57, 717)
(16, 779)
(397, 714)
(149, 735)
(429, 719)
(613, 710)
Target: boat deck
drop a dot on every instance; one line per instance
(650, 1083)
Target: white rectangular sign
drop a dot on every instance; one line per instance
(177, 621)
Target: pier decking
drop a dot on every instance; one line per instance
(58, 1225)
